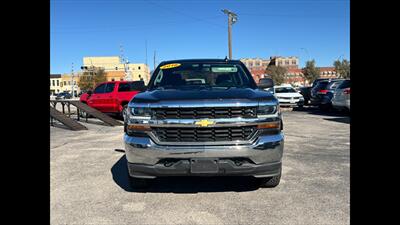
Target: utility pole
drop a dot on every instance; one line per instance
(232, 18)
(124, 61)
(72, 82)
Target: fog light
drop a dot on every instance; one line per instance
(139, 127)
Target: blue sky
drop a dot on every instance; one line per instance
(177, 29)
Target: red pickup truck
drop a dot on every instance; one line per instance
(112, 96)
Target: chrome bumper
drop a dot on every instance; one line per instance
(265, 149)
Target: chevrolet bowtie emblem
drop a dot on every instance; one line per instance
(204, 123)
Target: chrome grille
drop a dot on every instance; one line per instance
(201, 134)
(198, 113)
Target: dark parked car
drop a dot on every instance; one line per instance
(322, 93)
(306, 91)
(63, 95)
(318, 80)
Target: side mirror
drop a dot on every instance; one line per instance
(266, 83)
(89, 92)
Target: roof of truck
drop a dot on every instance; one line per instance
(200, 61)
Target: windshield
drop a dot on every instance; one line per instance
(201, 75)
(284, 90)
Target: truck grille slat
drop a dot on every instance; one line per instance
(200, 134)
(198, 113)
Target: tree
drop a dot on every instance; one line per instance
(310, 72)
(342, 68)
(277, 73)
(90, 78)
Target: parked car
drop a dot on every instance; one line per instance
(315, 82)
(288, 96)
(225, 126)
(306, 91)
(322, 93)
(341, 97)
(63, 95)
(112, 96)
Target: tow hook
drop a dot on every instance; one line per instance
(238, 163)
(168, 163)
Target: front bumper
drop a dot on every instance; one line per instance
(225, 168)
(145, 157)
(284, 102)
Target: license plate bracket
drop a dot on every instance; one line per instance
(208, 165)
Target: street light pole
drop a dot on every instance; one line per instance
(232, 18)
(309, 58)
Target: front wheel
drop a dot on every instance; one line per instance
(124, 112)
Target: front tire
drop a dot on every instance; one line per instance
(123, 112)
(270, 182)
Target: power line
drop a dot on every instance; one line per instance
(185, 14)
(110, 29)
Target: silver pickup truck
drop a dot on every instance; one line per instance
(204, 117)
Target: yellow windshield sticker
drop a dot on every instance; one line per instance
(169, 66)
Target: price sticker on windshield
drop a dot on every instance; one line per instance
(169, 66)
(224, 69)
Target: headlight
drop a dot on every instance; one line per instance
(136, 111)
(267, 110)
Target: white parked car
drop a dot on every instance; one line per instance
(288, 96)
(341, 97)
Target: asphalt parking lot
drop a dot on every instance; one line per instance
(89, 181)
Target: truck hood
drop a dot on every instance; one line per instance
(246, 94)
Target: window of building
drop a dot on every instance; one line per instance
(294, 62)
(250, 64)
(116, 68)
(54, 84)
(139, 68)
(69, 82)
(257, 63)
(65, 83)
(58, 83)
(286, 62)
